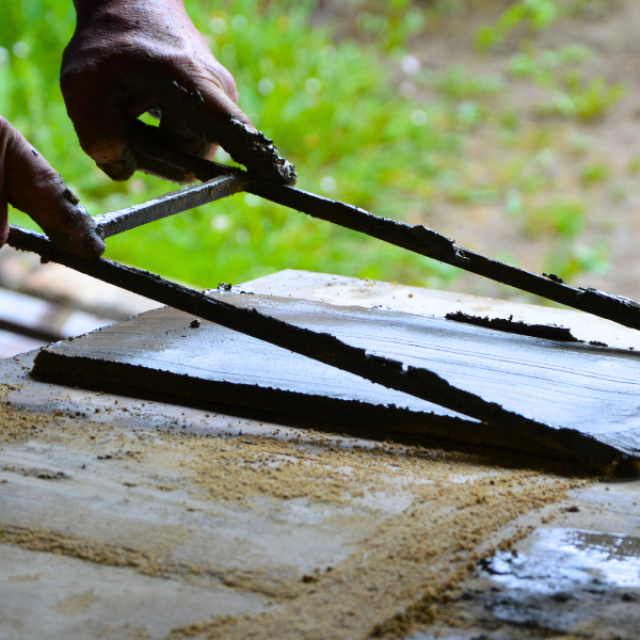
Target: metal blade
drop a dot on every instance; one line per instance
(110, 224)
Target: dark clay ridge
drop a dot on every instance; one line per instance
(418, 382)
(418, 239)
(546, 331)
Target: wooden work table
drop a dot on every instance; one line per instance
(126, 518)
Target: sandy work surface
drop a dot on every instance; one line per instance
(301, 534)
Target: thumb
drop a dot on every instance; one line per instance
(30, 184)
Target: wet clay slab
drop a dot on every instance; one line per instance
(558, 581)
(591, 390)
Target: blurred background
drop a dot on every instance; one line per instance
(511, 126)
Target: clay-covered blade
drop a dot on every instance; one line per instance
(250, 148)
(259, 155)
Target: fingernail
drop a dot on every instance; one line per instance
(93, 245)
(119, 170)
(71, 197)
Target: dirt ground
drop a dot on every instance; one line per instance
(614, 205)
(566, 146)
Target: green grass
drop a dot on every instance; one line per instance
(535, 14)
(328, 106)
(557, 70)
(562, 217)
(458, 84)
(582, 100)
(573, 258)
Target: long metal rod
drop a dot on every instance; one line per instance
(110, 224)
(35, 333)
(417, 239)
(418, 382)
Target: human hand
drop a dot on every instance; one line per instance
(128, 57)
(30, 184)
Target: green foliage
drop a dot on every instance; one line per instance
(562, 217)
(458, 84)
(513, 204)
(539, 65)
(510, 119)
(329, 107)
(394, 25)
(594, 173)
(334, 108)
(585, 101)
(568, 261)
(572, 95)
(536, 14)
(634, 165)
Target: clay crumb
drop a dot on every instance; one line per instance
(25, 578)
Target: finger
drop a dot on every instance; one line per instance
(32, 186)
(191, 112)
(183, 139)
(5, 129)
(101, 125)
(218, 110)
(4, 210)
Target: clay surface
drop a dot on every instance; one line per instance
(575, 583)
(129, 518)
(590, 393)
